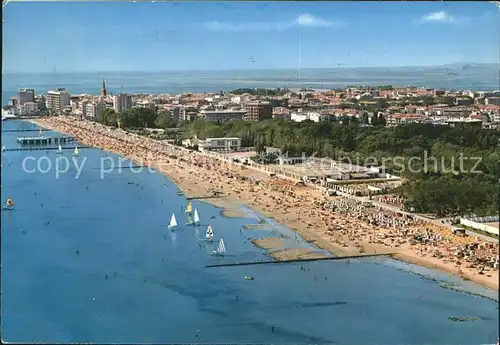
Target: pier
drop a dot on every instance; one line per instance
(43, 140)
(46, 148)
(268, 262)
(24, 130)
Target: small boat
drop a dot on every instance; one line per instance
(220, 250)
(179, 192)
(209, 236)
(9, 205)
(196, 220)
(59, 150)
(249, 278)
(189, 207)
(173, 222)
(76, 152)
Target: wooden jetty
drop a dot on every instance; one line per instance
(46, 148)
(43, 140)
(24, 130)
(268, 262)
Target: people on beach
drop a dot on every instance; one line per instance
(336, 221)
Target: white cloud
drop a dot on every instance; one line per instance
(304, 20)
(440, 16)
(309, 20)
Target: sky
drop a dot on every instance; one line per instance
(164, 36)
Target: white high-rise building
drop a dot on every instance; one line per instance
(25, 95)
(122, 102)
(57, 100)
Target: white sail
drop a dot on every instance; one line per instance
(221, 249)
(196, 216)
(173, 222)
(210, 233)
(189, 207)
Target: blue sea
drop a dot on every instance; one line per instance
(476, 77)
(90, 260)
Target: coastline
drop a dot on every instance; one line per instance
(193, 181)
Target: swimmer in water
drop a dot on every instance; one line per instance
(77, 251)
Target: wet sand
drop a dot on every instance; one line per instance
(271, 243)
(337, 229)
(296, 254)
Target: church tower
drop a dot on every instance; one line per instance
(103, 90)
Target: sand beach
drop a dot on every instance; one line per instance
(336, 224)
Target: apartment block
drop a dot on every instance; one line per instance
(222, 115)
(122, 102)
(57, 100)
(258, 111)
(25, 95)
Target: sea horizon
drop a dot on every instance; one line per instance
(480, 77)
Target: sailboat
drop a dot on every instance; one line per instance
(76, 151)
(196, 220)
(189, 207)
(210, 234)
(3, 148)
(220, 250)
(59, 150)
(173, 222)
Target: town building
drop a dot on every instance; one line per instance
(220, 144)
(222, 115)
(464, 121)
(492, 101)
(188, 114)
(13, 101)
(258, 111)
(93, 109)
(57, 100)
(464, 101)
(25, 95)
(28, 108)
(121, 102)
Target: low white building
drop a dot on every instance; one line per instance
(313, 116)
(220, 144)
